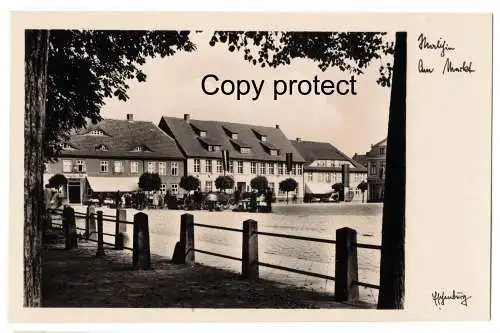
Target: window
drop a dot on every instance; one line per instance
(294, 169)
(280, 168)
(262, 168)
(134, 167)
(271, 186)
(162, 168)
(96, 132)
(138, 148)
(196, 167)
(163, 188)
(174, 169)
(273, 152)
(245, 150)
(382, 169)
(151, 167)
(231, 167)
(208, 186)
(263, 138)
(80, 166)
(208, 166)
(382, 150)
(373, 168)
(118, 167)
(299, 169)
(67, 165)
(270, 168)
(219, 166)
(104, 166)
(203, 134)
(234, 136)
(310, 176)
(102, 148)
(174, 188)
(253, 168)
(240, 166)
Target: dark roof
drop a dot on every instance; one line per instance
(187, 139)
(122, 137)
(209, 141)
(361, 159)
(313, 150)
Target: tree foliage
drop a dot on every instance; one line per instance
(58, 180)
(288, 185)
(87, 66)
(363, 186)
(189, 183)
(259, 183)
(337, 187)
(348, 51)
(224, 183)
(149, 182)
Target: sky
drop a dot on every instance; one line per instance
(173, 87)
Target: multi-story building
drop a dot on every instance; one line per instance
(253, 150)
(110, 156)
(375, 159)
(323, 168)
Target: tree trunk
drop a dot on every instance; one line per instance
(35, 66)
(392, 262)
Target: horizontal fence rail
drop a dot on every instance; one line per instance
(216, 227)
(312, 239)
(217, 254)
(298, 271)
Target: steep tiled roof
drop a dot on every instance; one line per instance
(187, 139)
(122, 137)
(313, 150)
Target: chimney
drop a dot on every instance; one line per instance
(277, 126)
(297, 139)
(186, 117)
(130, 116)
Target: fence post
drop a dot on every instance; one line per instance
(120, 229)
(184, 249)
(346, 266)
(250, 250)
(69, 226)
(90, 221)
(100, 235)
(141, 253)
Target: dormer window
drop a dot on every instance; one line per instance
(138, 148)
(234, 136)
(263, 138)
(141, 149)
(203, 134)
(102, 148)
(67, 146)
(213, 148)
(245, 150)
(273, 152)
(96, 132)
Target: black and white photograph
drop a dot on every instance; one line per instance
(267, 192)
(252, 168)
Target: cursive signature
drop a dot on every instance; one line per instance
(464, 67)
(440, 44)
(440, 298)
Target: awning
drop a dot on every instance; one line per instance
(113, 184)
(318, 188)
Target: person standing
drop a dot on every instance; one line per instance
(269, 199)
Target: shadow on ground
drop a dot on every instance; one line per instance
(77, 278)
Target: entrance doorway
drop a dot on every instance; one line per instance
(74, 192)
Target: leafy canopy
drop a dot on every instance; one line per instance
(259, 183)
(57, 181)
(224, 182)
(87, 66)
(149, 182)
(347, 51)
(288, 185)
(189, 183)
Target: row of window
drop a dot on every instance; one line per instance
(329, 177)
(174, 188)
(261, 168)
(331, 163)
(377, 171)
(118, 167)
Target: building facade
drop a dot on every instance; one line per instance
(323, 168)
(253, 151)
(375, 159)
(110, 156)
